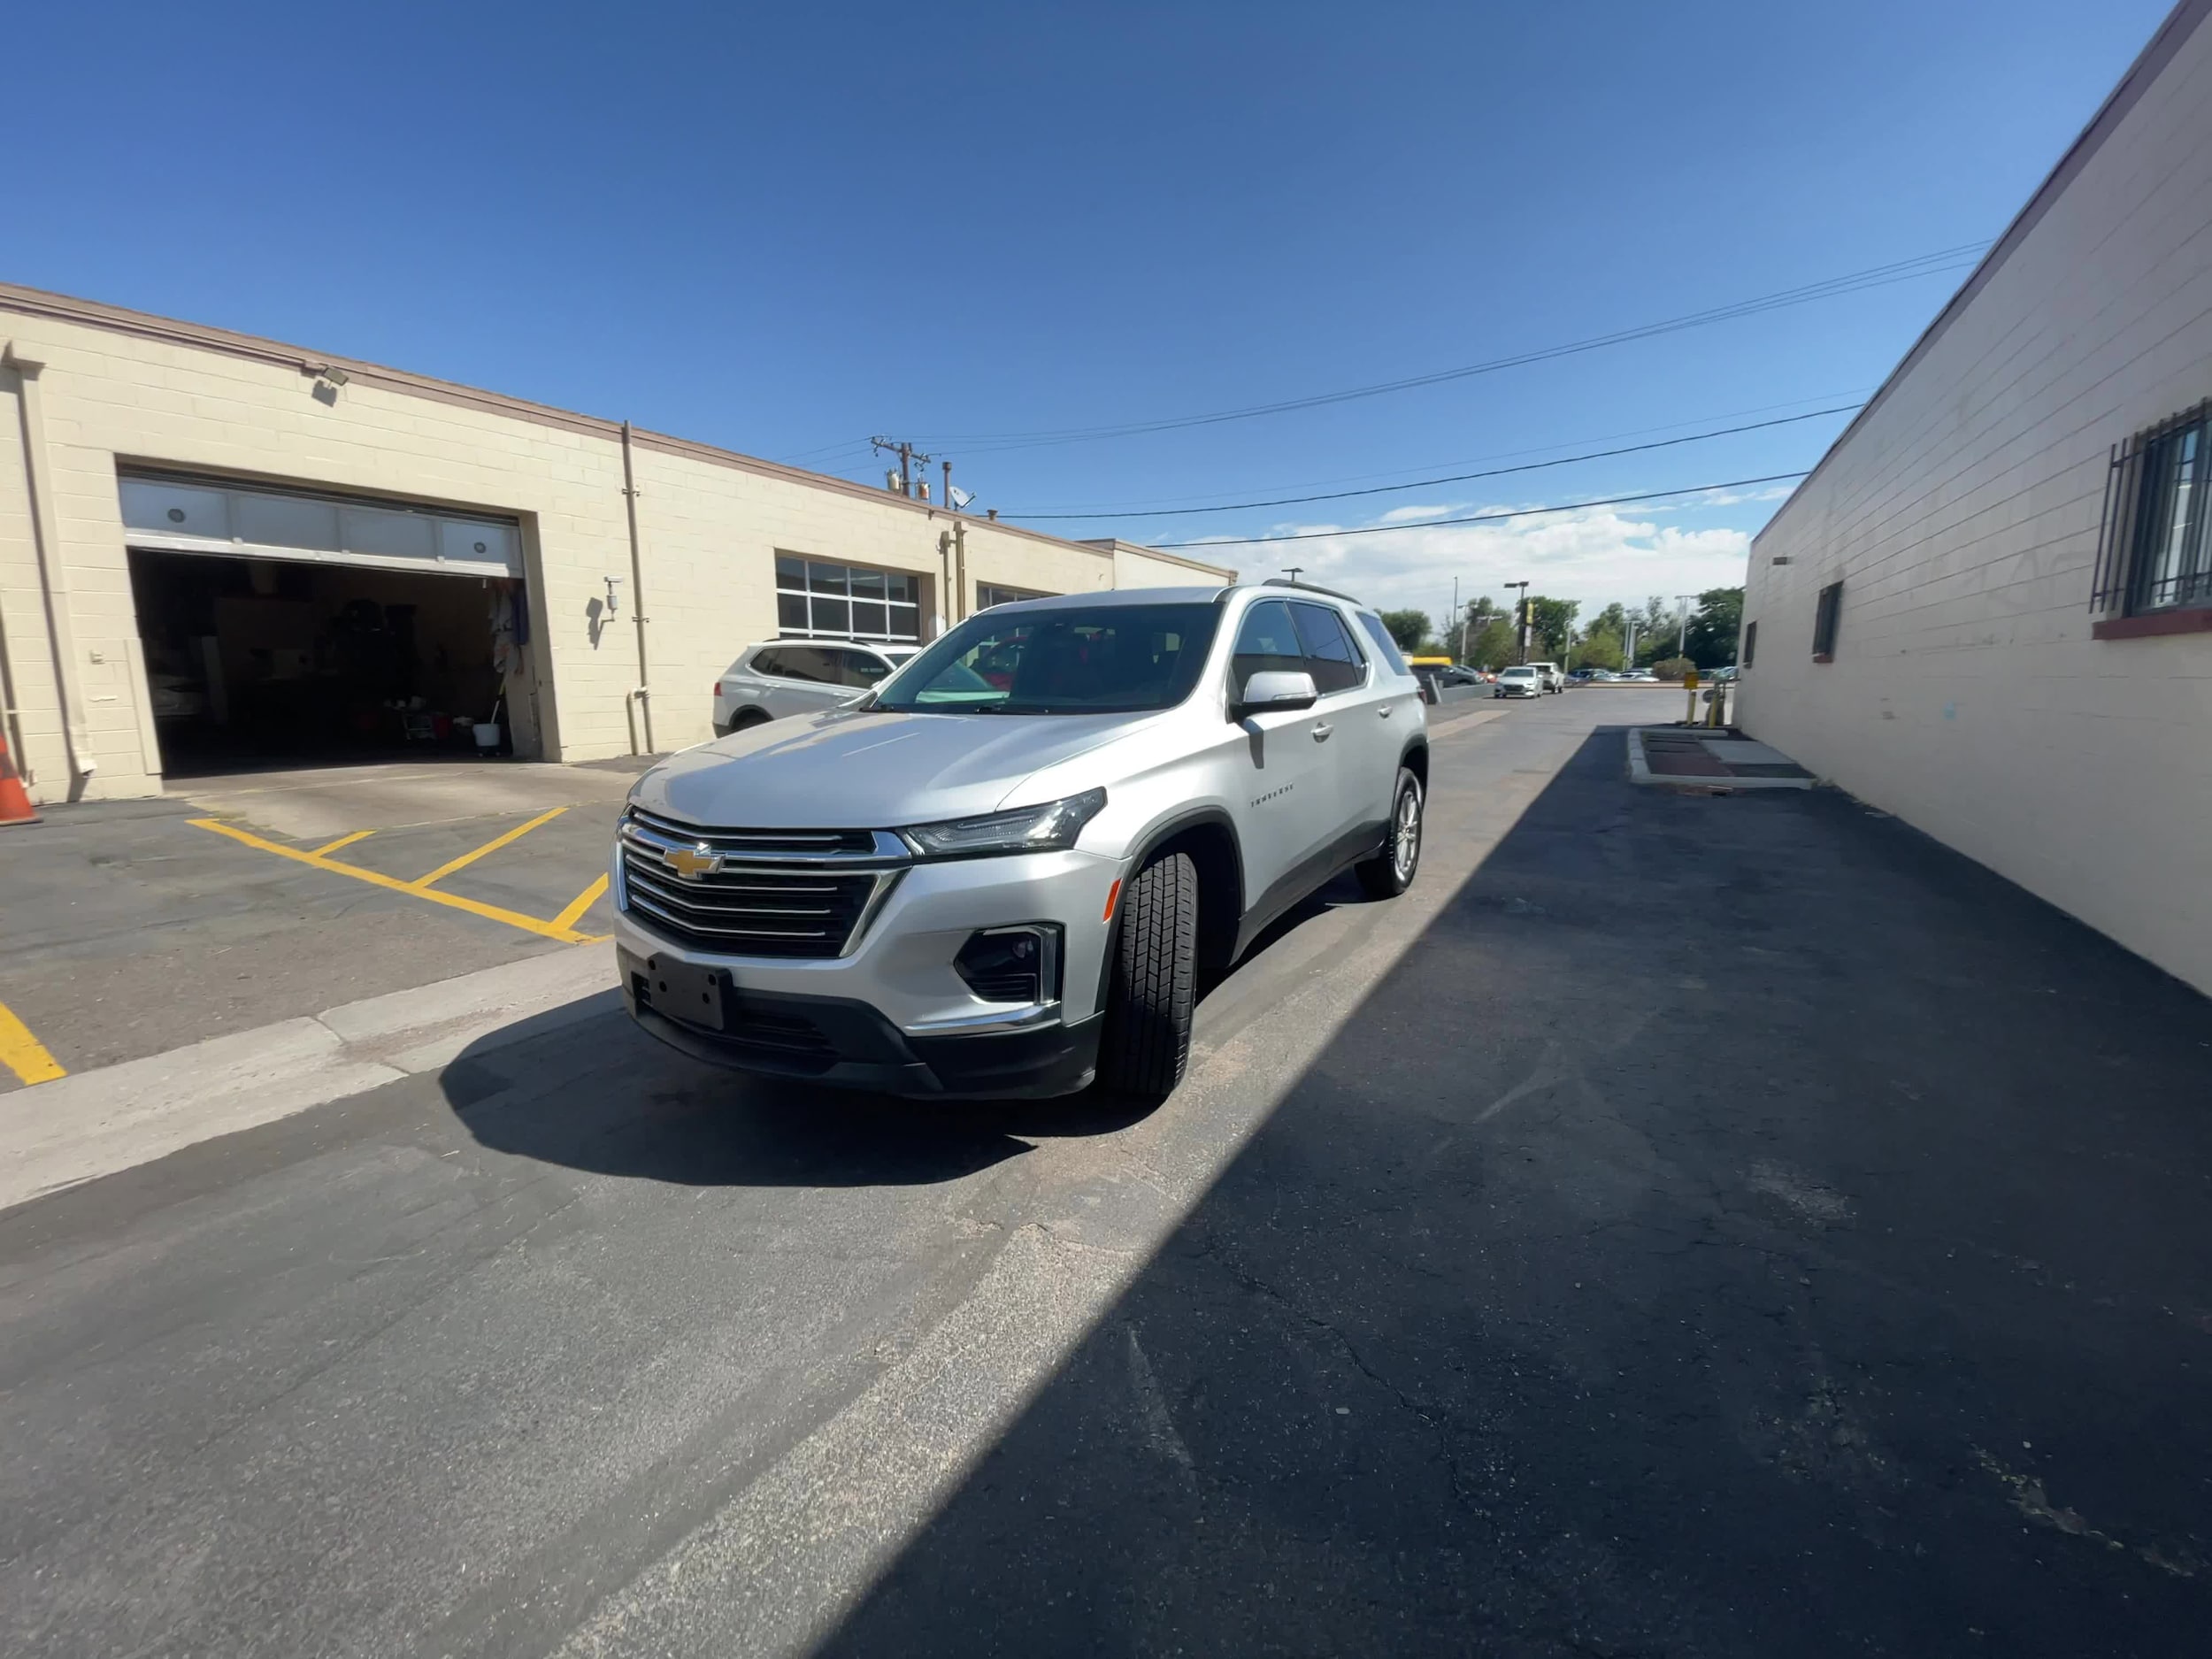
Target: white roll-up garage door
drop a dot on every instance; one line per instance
(172, 513)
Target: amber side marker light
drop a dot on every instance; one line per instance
(1113, 897)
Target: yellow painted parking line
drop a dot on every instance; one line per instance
(424, 883)
(582, 902)
(492, 912)
(23, 1054)
(329, 848)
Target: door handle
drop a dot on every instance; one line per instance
(1383, 711)
(1321, 730)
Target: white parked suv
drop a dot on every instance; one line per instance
(781, 677)
(1555, 678)
(1011, 867)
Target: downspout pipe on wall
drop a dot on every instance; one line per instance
(52, 580)
(641, 698)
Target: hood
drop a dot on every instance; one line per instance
(848, 769)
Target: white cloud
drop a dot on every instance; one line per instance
(1595, 557)
(1408, 515)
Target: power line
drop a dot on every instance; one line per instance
(1850, 283)
(1454, 478)
(1481, 517)
(1218, 498)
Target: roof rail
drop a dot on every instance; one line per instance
(1312, 587)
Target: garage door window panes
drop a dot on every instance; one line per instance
(845, 602)
(989, 594)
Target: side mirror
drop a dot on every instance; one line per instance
(1275, 692)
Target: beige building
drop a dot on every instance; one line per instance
(216, 549)
(1989, 608)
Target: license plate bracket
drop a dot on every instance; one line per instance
(697, 995)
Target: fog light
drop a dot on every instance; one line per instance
(1012, 965)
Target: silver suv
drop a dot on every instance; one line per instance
(1010, 867)
(783, 676)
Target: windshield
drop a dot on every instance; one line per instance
(1070, 659)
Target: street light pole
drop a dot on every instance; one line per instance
(1520, 629)
(1682, 645)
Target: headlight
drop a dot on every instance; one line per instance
(1029, 829)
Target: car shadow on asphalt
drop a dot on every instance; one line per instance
(600, 1095)
(1736, 1225)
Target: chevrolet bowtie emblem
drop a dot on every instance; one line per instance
(691, 862)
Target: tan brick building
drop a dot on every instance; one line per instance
(215, 549)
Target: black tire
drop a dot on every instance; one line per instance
(1387, 874)
(744, 718)
(1146, 1043)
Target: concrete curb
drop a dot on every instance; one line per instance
(1639, 771)
(93, 1124)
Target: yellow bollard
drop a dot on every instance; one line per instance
(1689, 684)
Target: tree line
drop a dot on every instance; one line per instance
(1664, 643)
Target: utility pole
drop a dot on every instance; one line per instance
(1520, 621)
(1628, 652)
(908, 456)
(1682, 645)
(1459, 625)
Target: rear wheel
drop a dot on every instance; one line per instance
(1391, 872)
(1146, 1043)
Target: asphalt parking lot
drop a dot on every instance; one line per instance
(1700, 1224)
(136, 926)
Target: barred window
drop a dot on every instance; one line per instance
(2156, 553)
(845, 602)
(1824, 623)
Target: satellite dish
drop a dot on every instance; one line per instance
(960, 497)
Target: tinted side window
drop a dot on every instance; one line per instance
(1266, 645)
(766, 663)
(857, 668)
(808, 663)
(1330, 657)
(1384, 643)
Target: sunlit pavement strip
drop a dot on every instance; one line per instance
(779, 1566)
(562, 927)
(93, 1124)
(23, 1054)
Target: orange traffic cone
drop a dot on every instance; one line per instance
(15, 803)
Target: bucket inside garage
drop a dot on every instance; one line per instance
(285, 627)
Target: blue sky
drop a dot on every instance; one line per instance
(783, 228)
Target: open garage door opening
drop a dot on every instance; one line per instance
(390, 632)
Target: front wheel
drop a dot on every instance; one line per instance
(1391, 872)
(1147, 1041)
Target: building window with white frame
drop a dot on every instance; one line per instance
(818, 600)
(989, 594)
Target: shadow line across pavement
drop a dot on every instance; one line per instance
(1737, 1226)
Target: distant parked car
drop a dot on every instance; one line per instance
(1640, 677)
(783, 677)
(1457, 676)
(1719, 676)
(1523, 682)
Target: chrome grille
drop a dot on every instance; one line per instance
(792, 893)
(803, 843)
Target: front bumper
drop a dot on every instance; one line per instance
(892, 1013)
(847, 1044)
